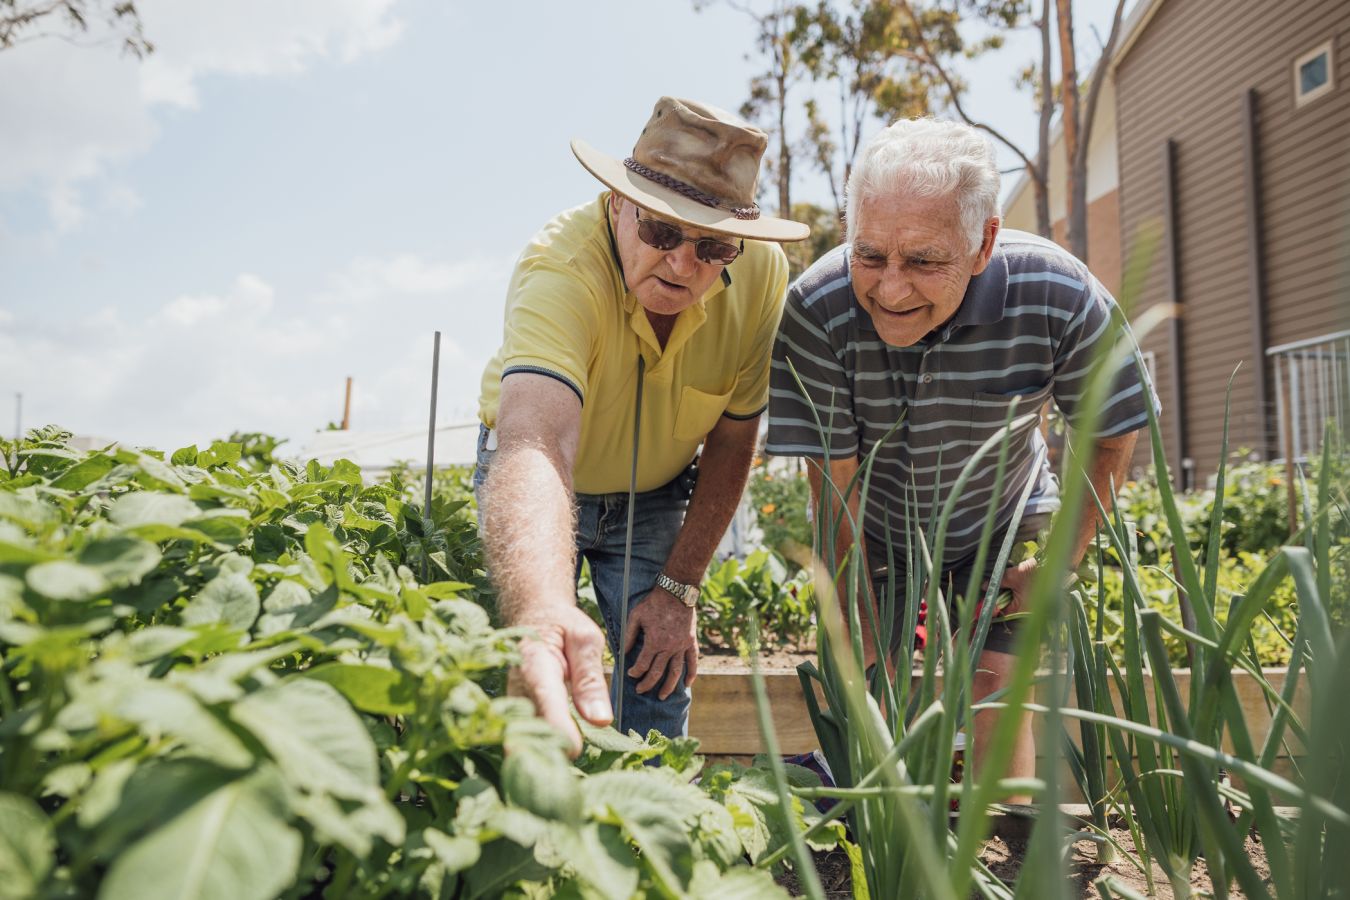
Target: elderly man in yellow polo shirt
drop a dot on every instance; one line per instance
(638, 327)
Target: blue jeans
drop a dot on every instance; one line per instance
(602, 521)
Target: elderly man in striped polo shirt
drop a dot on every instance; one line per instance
(934, 317)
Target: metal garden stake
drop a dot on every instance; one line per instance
(431, 456)
(627, 551)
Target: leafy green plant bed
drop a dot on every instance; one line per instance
(222, 676)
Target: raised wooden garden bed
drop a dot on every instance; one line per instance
(723, 714)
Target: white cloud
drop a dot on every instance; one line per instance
(68, 111)
(368, 279)
(249, 298)
(121, 198)
(71, 111)
(66, 206)
(189, 311)
(254, 38)
(248, 356)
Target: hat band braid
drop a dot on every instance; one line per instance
(688, 190)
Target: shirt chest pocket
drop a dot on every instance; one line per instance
(990, 411)
(698, 413)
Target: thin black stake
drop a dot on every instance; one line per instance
(431, 456)
(627, 553)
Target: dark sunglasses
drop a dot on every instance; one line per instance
(668, 237)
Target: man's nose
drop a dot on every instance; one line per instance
(895, 285)
(682, 260)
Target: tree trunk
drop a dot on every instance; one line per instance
(1040, 173)
(784, 148)
(1079, 161)
(1075, 188)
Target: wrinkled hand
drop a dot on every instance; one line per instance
(564, 657)
(669, 643)
(1018, 580)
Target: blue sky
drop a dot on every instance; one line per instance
(286, 194)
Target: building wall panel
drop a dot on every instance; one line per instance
(1185, 79)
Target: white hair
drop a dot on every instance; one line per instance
(930, 158)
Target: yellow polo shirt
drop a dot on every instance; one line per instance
(569, 316)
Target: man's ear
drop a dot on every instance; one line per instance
(991, 227)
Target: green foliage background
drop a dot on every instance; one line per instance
(1255, 526)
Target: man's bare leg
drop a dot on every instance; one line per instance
(993, 673)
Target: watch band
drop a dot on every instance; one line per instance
(685, 593)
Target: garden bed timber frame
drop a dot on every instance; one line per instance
(723, 713)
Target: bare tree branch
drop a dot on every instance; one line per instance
(1047, 107)
(930, 59)
(19, 18)
(1099, 78)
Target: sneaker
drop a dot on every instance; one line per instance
(815, 762)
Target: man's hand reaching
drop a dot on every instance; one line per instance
(564, 658)
(1017, 580)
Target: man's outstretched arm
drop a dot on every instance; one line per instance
(529, 523)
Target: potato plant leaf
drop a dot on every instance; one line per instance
(600, 857)
(543, 783)
(349, 824)
(184, 456)
(27, 848)
(151, 643)
(66, 580)
(227, 600)
(502, 864)
(122, 559)
(221, 453)
(86, 472)
(372, 689)
(656, 815)
(224, 526)
(152, 508)
(161, 709)
(290, 605)
(456, 853)
(233, 844)
(314, 736)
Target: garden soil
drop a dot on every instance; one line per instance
(771, 659)
(1004, 858)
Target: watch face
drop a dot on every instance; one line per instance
(685, 593)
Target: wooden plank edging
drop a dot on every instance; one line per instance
(723, 714)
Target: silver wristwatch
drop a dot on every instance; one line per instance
(685, 593)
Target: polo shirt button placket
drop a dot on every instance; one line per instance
(926, 377)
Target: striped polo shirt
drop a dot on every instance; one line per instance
(1026, 331)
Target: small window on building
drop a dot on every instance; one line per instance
(1314, 75)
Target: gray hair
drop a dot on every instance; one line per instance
(930, 158)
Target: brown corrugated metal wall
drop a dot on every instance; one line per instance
(1185, 79)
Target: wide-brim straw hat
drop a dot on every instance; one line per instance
(698, 165)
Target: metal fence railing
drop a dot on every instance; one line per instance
(1312, 388)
